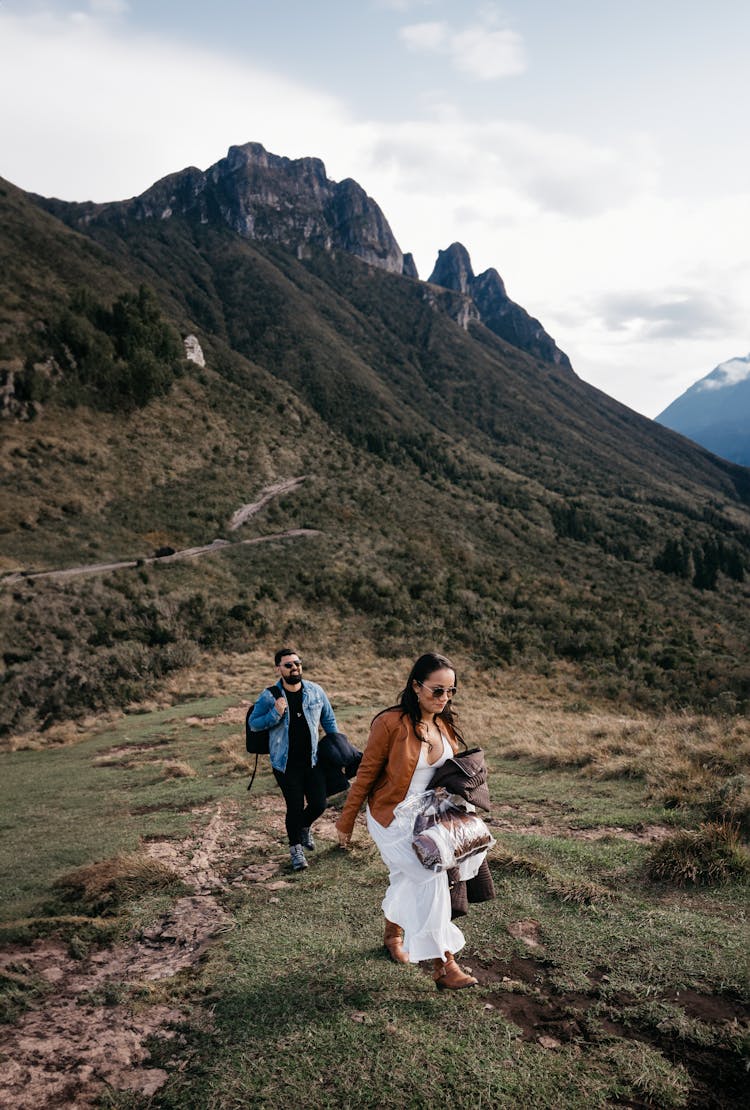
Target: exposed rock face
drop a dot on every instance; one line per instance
(453, 269)
(193, 350)
(410, 267)
(494, 308)
(273, 199)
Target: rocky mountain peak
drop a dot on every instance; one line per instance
(270, 198)
(453, 269)
(493, 306)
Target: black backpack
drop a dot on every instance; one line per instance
(256, 742)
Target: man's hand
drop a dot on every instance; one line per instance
(280, 706)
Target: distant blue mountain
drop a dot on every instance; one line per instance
(715, 412)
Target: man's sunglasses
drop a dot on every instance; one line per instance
(438, 691)
(295, 663)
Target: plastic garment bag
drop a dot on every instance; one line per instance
(443, 828)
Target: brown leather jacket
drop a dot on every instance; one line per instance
(386, 770)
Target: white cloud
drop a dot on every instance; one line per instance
(109, 7)
(108, 113)
(488, 55)
(480, 50)
(425, 36)
(402, 5)
(570, 224)
(729, 373)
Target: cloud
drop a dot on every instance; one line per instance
(681, 313)
(425, 36)
(729, 373)
(488, 55)
(403, 5)
(481, 50)
(110, 111)
(644, 292)
(109, 7)
(514, 167)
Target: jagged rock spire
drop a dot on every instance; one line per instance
(494, 307)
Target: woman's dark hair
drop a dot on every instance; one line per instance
(408, 701)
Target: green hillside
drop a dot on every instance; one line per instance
(463, 493)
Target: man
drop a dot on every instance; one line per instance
(293, 719)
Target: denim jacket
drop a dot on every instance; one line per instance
(316, 708)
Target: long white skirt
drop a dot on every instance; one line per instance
(418, 899)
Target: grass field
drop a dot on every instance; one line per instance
(156, 950)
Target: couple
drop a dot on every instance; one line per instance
(406, 745)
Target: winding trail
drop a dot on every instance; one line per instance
(238, 518)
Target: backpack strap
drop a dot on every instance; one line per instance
(275, 690)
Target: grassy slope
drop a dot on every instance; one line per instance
(439, 467)
(297, 1004)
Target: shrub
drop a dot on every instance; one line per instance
(115, 359)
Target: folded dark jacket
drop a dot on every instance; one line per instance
(479, 889)
(339, 760)
(465, 774)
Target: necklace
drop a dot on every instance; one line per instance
(427, 728)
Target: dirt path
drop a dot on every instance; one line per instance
(239, 517)
(89, 1034)
(243, 514)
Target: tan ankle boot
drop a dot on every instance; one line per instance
(449, 976)
(392, 939)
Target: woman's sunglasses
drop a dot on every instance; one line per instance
(438, 691)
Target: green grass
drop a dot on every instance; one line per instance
(69, 806)
(297, 1003)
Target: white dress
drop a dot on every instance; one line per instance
(418, 899)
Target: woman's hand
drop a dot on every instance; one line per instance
(345, 840)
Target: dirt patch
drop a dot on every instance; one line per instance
(525, 995)
(88, 1034)
(529, 932)
(709, 1008)
(68, 1055)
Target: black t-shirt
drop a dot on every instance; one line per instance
(300, 743)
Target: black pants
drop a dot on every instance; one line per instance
(304, 790)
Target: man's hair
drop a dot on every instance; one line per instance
(282, 652)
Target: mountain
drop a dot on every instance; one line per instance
(715, 411)
(415, 478)
(267, 198)
(493, 307)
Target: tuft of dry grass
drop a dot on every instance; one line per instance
(177, 769)
(103, 886)
(710, 855)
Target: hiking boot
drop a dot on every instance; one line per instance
(449, 976)
(307, 841)
(299, 863)
(394, 942)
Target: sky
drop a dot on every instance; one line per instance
(594, 152)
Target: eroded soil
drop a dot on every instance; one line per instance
(90, 1033)
(524, 992)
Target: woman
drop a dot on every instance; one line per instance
(407, 743)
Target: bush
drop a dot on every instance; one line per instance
(115, 359)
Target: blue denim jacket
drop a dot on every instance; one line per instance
(316, 708)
